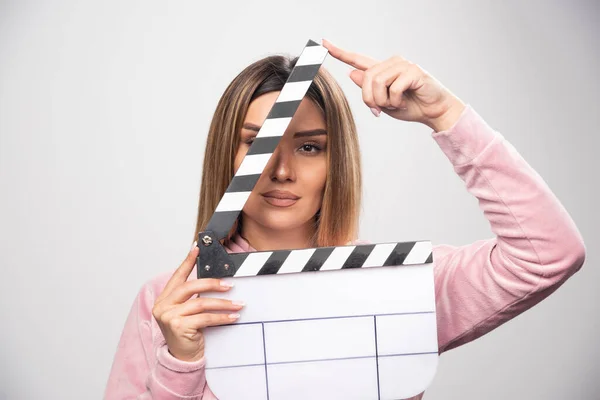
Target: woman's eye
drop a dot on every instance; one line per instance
(310, 148)
(249, 141)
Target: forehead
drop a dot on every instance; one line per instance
(307, 115)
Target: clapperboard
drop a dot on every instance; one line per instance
(347, 322)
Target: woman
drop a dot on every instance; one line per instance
(309, 195)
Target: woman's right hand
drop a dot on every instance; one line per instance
(181, 317)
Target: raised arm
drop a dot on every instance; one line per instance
(537, 245)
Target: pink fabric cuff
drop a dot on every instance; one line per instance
(175, 378)
(466, 139)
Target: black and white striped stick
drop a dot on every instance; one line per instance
(267, 139)
(313, 259)
(214, 262)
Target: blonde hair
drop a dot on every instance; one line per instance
(337, 220)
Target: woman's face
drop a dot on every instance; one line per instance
(290, 190)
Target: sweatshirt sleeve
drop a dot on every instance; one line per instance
(536, 246)
(143, 368)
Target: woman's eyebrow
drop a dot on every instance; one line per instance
(250, 126)
(312, 132)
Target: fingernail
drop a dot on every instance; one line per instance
(375, 112)
(194, 245)
(234, 316)
(226, 284)
(391, 108)
(238, 303)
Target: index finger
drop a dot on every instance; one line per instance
(356, 60)
(182, 273)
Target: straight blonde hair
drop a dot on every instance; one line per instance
(336, 223)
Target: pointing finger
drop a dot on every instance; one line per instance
(355, 60)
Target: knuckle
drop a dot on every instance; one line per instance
(163, 319)
(395, 92)
(203, 322)
(178, 290)
(210, 319)
(395, 101)
(176, 324)
(217, 319)
(205, 284)
(200, 305)
(192, 287)
(379, 80)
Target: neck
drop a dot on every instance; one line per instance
(262, 238)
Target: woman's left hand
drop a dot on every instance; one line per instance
(401, 89)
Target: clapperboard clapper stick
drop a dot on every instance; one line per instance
(346, 322)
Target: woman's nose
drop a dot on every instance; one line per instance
(282, 165)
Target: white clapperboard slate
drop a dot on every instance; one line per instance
(348, 322)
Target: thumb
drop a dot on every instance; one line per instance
(357, 77)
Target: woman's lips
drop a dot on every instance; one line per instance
(279, 198)
(274, 201)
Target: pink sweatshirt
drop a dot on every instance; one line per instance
(478, 286)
